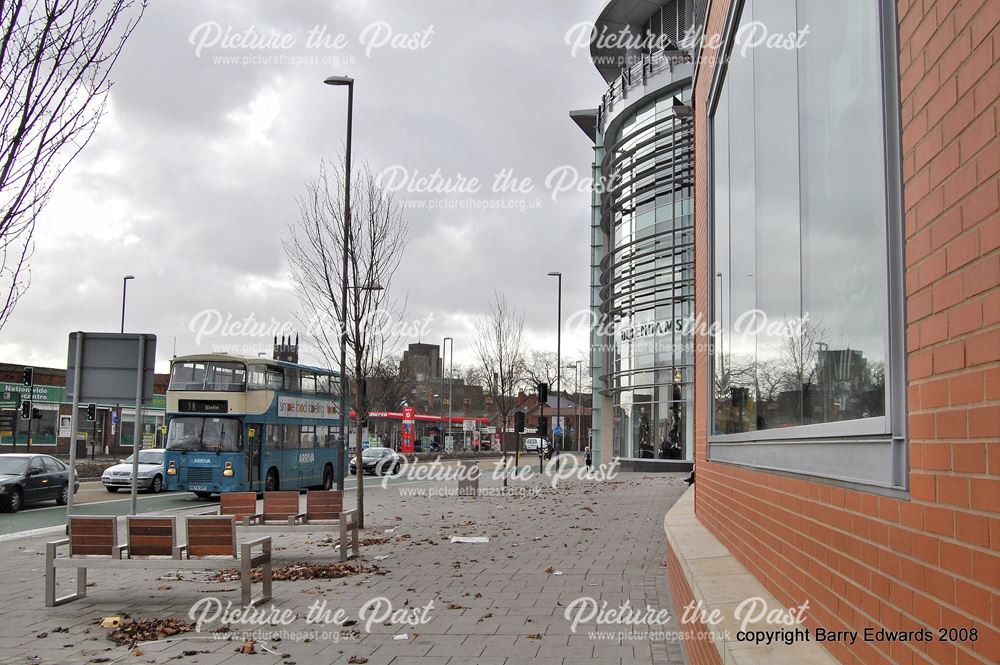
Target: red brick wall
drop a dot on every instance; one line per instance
(931, 560)
(697, 643)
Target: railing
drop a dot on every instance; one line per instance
(636, 74)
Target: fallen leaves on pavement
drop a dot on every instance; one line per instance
(303, 571)
(133, 631)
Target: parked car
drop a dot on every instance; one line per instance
(532, 442)
(378, 461)
(26, 478)
(150, 472)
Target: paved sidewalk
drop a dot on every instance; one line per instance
(492, 603)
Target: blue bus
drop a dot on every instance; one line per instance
(251, 424)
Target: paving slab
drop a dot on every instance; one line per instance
(499, 602)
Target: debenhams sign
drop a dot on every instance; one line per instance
(652, 329)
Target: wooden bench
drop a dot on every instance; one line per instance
(242, 506)
(281, 513)
(328, 506)
(93, 543)
(282, 507)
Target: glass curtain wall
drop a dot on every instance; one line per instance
(648, 280)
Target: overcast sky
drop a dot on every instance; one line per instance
(190, 182)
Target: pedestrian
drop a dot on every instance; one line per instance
(587, 458)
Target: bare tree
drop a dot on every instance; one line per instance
(390, 384)
(498, 339)
(800, 355)
(542, 367)
(55, 60)
(376, 239)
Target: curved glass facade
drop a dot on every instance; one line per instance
(646, 279)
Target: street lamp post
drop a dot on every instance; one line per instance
(451, 369)
(125, 280)
(576, 366)
(349, 82)
(117, 413)
(579, 406)
(562, 436)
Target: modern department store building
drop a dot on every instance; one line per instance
(850, 463)
(642, 237)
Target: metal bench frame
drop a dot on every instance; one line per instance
(246, 561)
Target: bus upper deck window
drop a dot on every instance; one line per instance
(275, 378)
(308, 382)
(291, 379)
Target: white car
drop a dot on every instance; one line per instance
(150, 472)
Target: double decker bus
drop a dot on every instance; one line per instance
(250, 424)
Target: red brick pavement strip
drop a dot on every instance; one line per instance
(492, 603)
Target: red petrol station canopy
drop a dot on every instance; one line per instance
(422, 417)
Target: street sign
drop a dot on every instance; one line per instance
(558, 430)
(109, 363)
(109, 368)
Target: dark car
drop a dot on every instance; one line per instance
(378, 461)
(28, 479)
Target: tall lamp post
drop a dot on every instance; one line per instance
(349, 82)
(579, 407)
(451, 369)
(117, 413)
(562, 436)
(125, 280)
(576, 366)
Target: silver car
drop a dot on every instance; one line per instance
(150, 472)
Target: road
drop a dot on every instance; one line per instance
(93, 499)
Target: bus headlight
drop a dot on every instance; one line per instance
(172, 468)
(228, 471)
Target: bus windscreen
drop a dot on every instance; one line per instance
(195, 433)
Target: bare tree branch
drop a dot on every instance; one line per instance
(498, 339)
(55, 60)
(376, 238)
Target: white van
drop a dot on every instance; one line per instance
(531, 444)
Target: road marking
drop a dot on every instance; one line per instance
(32, 511)
(34, 532)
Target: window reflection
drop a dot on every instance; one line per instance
(800, 223)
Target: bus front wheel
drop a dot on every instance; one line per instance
(271, 482)
(328, 477)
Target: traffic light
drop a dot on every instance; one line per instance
(519, 421)
(29, 376)
(543, 425)
(543, 392)
(26, 409)
(36, 413)
(91, 413)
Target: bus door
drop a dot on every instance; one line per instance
(255, 440)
